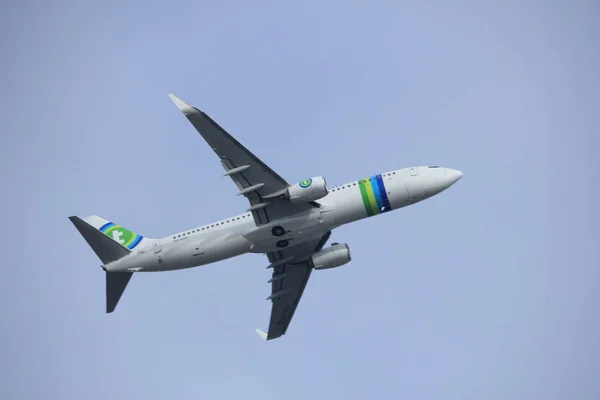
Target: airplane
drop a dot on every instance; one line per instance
(289, 223)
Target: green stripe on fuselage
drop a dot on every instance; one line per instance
(368, 196)
(365, 196)
(371, 194)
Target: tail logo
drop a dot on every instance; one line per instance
(121, 235)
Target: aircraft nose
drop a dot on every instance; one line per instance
(451, 176)
(424, 182)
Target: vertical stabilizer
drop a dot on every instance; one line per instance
(125, 237)
(107, 249)
(110, 242)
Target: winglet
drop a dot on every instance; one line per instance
(263, 335)
(183, 107)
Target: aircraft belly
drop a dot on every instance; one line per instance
(296, 230)
(204, 250)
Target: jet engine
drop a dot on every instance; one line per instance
(308, 190)
(331, 257)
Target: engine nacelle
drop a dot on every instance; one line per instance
(308, 190)
(331, 257)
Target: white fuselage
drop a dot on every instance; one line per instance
(239, 234)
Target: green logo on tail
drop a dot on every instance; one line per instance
(122, 235)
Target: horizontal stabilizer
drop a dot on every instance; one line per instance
(116, 282)
(107, 249)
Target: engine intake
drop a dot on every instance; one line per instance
(308, 190)
(331, 257)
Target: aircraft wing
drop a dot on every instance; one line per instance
(255, 180)
(291, 270)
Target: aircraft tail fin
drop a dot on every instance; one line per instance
(96, 230)
(110, 242)
(106, 248)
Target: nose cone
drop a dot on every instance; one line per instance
(451, 176)
(424, 182)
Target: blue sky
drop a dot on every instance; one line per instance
(489, 290)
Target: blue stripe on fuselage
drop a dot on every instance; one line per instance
(383, 193)
(375, 186)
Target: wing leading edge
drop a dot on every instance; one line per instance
(255, 180)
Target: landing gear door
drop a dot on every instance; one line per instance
(157, 248)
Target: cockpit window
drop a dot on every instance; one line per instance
(433, 166)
